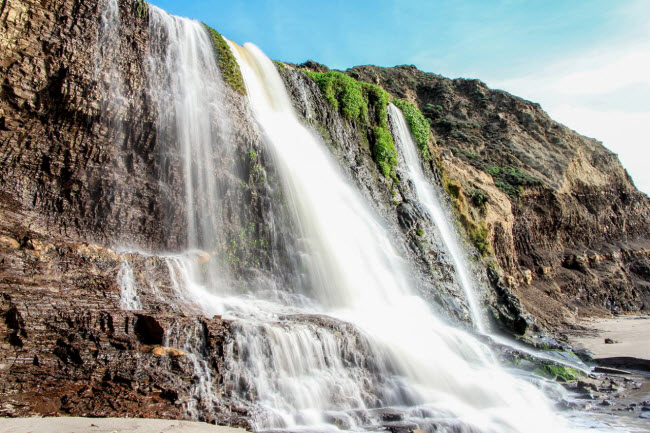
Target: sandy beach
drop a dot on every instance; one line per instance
(108, 425)
(631, 336)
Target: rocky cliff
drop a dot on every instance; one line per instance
(84, 185)
(79, 180)
(564, 221)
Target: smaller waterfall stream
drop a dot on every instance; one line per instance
(107, 71)
(430, 199)
(129, 299)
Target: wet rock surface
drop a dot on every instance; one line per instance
(68, 347)
(414, 233)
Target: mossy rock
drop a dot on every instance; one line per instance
(477, 232)
(558, 372)
(227, 62)
(365, 104)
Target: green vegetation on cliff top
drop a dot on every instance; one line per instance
(227, 62)
(366, 104)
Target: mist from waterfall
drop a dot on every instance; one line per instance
(430, 200)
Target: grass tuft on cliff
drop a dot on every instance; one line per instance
(366, 104)
(142, 8)
(343, 92)
(227, 62)
(511, 180)
(384, 151)
(417, 124)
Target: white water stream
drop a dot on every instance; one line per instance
(186, 89)
(428, 197)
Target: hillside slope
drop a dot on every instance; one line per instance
(565, 221)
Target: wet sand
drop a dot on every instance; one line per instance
(108, 425)
(631, 334)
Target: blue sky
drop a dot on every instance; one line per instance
(586, 61)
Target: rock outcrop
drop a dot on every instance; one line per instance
(76, 184)
(67, 346)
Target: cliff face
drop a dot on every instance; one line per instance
(565, 222)
(82, 181)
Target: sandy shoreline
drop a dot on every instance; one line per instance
(631, 334)
(108, 425)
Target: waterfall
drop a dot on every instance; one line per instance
(441, 378)
(191, 340)
(351, 347)
(129, 299)
(185, 88)
(107, 71)
(430, 200)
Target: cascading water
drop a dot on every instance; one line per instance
(191, 339)
(430, 199)
(438, 375)
(185, 88)
(129, 299)
(106, 69)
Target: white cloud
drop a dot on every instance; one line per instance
(601, 94)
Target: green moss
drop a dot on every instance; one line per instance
(245, 249)
(417, 124)
(280, 65)
(552, 371)
(252, 154)
(227, 62)
(142, 8)
(384, 152)
(343, 92)
(378, 99)
(511, 180)
(478, 235)
(366, 104)
(453, 188)
(478, 197)
(477, 232)
(419, 232)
